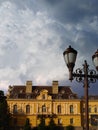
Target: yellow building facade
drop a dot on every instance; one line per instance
(93, 112)
(57, 102)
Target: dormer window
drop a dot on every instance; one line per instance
(28, 96)
(43, 96)
(16, 95)
(63, 91)
(21, 91)
(36, 91)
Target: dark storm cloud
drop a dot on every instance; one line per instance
(34, 34)
(65, 11)
(73, 11)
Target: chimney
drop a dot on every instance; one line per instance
(55, 87)
(29, 87)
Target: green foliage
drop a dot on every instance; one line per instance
(27, 125)
(1, 93)
(70, 127)
(4, 112)
(52, 124)
(42, 126)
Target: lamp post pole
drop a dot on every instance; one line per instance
(83, 75)
(86, 95)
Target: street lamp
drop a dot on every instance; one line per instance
(83, 75)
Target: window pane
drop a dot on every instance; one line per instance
(59, 108)
(95, 109)
(71, 109)
(43, 108)
(71, 121)
(59, 121)
(28, 109)
(15, 109)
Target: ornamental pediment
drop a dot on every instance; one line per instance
(44, 95)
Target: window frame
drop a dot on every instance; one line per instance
(27, 109)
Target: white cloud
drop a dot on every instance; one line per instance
(30, 47)
(32, 41)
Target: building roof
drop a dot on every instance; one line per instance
(64, 92)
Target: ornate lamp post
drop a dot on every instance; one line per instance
(81, 75)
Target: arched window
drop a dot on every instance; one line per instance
(15, 109)
(95, 109)
(71, 109)
(59, 108)
(27, 109)
(43, 108)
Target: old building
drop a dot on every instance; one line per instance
(58, 102)
(32, 101)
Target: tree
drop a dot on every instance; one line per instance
(69, 127)
(52, 124)
(42, 126)
(4, 112)
(27, 125)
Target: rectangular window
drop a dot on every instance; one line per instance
(43, 108)
(44, 96)
(15, 109)
(28, 109)
(59, 121)
(95, 109)
(83, 110)
(71, 109)
(89, 109)
(71, 120)
(59, 109)
(38, 110)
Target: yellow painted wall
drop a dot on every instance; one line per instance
(51, 108)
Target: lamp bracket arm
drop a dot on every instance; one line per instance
(78, 75)
(83, 75)
(93, 76)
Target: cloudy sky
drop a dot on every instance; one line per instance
(34, 34)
